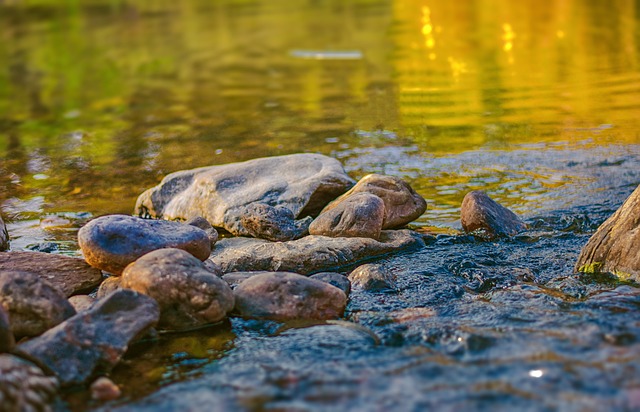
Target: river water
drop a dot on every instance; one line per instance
(535, 102)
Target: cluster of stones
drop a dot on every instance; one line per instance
(298, 222)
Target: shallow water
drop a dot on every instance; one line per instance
(534, 102)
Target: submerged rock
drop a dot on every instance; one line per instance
(303, 183)
(4, 236)
(69, 275)
(285, 296)
(402, 204)
(188, 294)
(34, 305)
(615, 247)
(273, 223)
(310, 254)
(7, 341)
(93, 342)
(481, 214)
(24, 386)
(373, 277)
(112, 242)
(336, 279)
(358, 215)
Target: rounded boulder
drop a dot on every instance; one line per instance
(359, 215)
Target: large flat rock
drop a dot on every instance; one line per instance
(303, 183)
(310, 254)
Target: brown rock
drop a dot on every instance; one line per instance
(70, 275)
(277, 224)
(33, 304)
(358, 215)
(615, 247)
(188, 293)
(483, 215)
(236, 278)
(112, 242)
(24, 387)
(4, 236)
(7, 342)
(203, 224)
(285, 296)
(103, 389)
(109, 285)
(402, 204)
(336, 279)
(373, 277)
(81, 302)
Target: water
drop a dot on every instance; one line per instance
(534, 102)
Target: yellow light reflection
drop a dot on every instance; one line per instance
(427, 31)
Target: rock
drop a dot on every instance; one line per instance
(203, 224)
(480, 213)
(373, 277)
(273, 223)
(81, 302)
(335, 279)
(33, 304)
(402, 204)
(70, 275)
(358, 215)
(103, 389)
(615, 246)
(286, 296)
(7, 341)
(109, 285)
(112, 242)
(93, 342)
(233, 279)
(4, 236)
(303, 183)
(310, 254)
(24, 386)
(188, 294)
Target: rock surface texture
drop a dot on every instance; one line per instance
(358, 215)
(33, 304)
(7, 342)
(483, 215)
(335, 279)
(373, 277)
(203, 224)
(4, 236)
(70, 275)
(24, 387)
(285, 296)
(303, 183)
(93, 342)
(109, 285)
(310, 254)
(112, 242)
(615, 247)
(273, 223)
(188, 293)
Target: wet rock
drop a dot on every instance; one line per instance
(481, 214)
(81, 302)
(358, 215)
(273, 223)
(70, 275)
(236, 278)
(204, 224)
(7, 342)
(4, 236)
(103, 389)
(187, 292)
(24, 386)
(285, 296)
(109, 285)
(33, 304)
(373, 277)
(112, 242)
(615, 247)
(303, 183)
(310, 254)
(402, 204)
(93, 342)
(335, 279)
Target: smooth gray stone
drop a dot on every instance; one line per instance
(303, 183)
(483, 215)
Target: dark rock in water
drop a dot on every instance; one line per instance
(188, 294)
(373, 277)
(44, 247)
(236, 278)
(402, 204)
(303, 183)
(7, 341)
(4, 236)
(24, 386)
(93, 342)
(81, 302)
(273, 223)
(70, 275)
(109, 285)
(112, 242)
(310, 254)
(335, 279)
(285, 296)
(204, 224)
(481, 214)
(34, 305)
(358, 215)
(615, 247)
